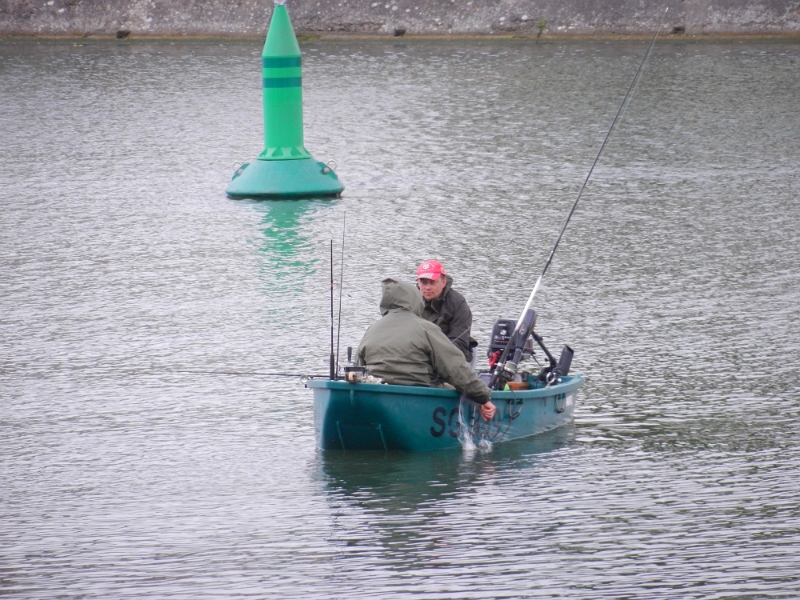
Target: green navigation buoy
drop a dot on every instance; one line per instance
(285, 169)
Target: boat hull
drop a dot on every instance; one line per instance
(366, 416)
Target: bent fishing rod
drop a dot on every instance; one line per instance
(526, 320)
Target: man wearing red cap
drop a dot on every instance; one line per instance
(445, 306)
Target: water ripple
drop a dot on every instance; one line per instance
(153, 445)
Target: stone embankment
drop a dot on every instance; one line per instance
(546, 18)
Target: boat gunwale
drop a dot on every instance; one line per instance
(573, 382)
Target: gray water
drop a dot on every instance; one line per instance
(146, 451)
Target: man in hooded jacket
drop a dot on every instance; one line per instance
(402, 348)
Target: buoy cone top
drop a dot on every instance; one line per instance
(281, 40)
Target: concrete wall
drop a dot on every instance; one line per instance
(240, 18)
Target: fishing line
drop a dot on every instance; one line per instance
(529, 303)
(151, 373)
(589, 174)
(247, 373)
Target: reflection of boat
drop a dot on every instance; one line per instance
(399, 480)
(349, 416)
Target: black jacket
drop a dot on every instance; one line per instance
(453, 316)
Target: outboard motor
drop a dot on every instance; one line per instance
(507, 348)
(501, 333)
(506, 352)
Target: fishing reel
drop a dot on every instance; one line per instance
(358, 374)
(352, 373)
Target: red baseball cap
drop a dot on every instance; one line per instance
(430, 269)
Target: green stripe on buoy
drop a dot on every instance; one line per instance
(279, 62)
(282, 82)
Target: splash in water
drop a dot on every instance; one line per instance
(471, 433)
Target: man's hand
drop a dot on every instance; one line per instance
(488, 410)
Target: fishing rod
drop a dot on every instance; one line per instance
(341, 280)
(332, 360)
(527, 318)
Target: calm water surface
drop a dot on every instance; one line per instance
(129, 470)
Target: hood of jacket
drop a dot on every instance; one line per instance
(400, 295)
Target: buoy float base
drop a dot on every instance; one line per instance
(284, 179)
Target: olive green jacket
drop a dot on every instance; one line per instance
(402, 348)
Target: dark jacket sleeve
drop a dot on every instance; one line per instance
(450, 366)
(460, 324)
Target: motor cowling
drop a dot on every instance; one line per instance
(502, 331)
(510, 344)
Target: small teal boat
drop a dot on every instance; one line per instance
(367, 416)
